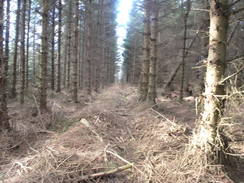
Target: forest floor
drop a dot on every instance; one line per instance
(107, 131)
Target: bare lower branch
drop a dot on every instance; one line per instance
(232, 75)
(199, 9)
(237, 11)
(235, 2)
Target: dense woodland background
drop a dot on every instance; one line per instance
(168, 107)
(183, 35)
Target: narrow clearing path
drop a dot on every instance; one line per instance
(110, 132)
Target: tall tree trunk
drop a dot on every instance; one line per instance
(209, 136)
(69, 42)
(151, 97)
(76, 56)
(186, 14)
(108, 65)
(44, 54)
(80, 67)
(65, 65)
(88, 48)
(79, 55)
(134, 60)
(34, 54)
(104, 49)
(6, 59)
(13, 89)
(84, 51)
(53, 47)
(69, 61)
(59, 44)
(66, 40)
(146, 52)
(22, 53)
(27, 44)
(65, 57)
(3, 103)
(99, 46)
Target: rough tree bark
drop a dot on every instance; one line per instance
(44, 54)
(80, 55)
(22, 53)
(83, 54)
(65, 55)
(209, 136)
(27, 45)
(88, 82)
(13, 89)
(146, 52)
(53, 47)
(102, 37)
(59, 45)
(76, 54)
(70, 14)
(186, 15)
(99, 45)
(152, 94)
(6, 55)
(3, 105)
(34, 54)
(134, 60)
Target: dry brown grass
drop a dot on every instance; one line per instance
(109, 132)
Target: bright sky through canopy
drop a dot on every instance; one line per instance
(124, 7)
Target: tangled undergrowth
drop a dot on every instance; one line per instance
(112, 137)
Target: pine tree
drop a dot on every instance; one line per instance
(6, 54)
(152, 94)
(76, 49)
(53, 45)
(186, 11)
(44, 54)
(17, 26)
(88, 28)
(22, 52)
(146, 52)
(209, 136)
(28, 44)
(3, 103)
(59, 45)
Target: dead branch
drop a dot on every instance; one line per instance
(232, 75)
(46, 131)
(37, 107)
(235, 2)
(13, 147)
(87, 124)
(105, 173)
(237, 58)
(233, 33)
(126, 161)
(199, 9)
(164, 117)
(237, 11)
(173, 74)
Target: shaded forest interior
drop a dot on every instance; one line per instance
(77, 105)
